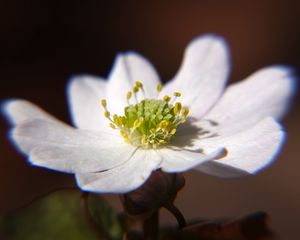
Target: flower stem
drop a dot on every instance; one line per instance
(177, 214)
(151, 227)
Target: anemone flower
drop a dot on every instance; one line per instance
(129, 125)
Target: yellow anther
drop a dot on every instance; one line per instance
(177, 108)
(123, 120)
(115, 117)
(159, 87)
(117, 120)
(137, 123)
(124, 135)
(103, 103)
(164, 124)
(144, 139)
(167, 98)
(177, 94)
(149, 123)
(128, 96)
(135, 89)
(139, 84)
(107, 114)
(185, 112)
(153, 130)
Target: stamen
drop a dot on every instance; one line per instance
(107, 114)
(159, 87)
(167, 98)
(164, 124)
(135, 90)
(185, 112)
(124, 135)
(128, 96)
(103, 103)
(139, 84)
(177, 108)
(137, 123)
(177, 94)
(173, 131)
(117, 120)
(150, 123)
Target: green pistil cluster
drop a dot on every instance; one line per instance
(149, 123)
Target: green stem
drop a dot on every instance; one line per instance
(151, 227)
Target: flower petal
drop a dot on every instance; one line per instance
(18, 111)
(124, 178)
(247, 152)
(179, 160)
(265, 93)
(129, 68)
(202, 75)
(63, 148)
(84, 94)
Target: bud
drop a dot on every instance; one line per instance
(157, 191)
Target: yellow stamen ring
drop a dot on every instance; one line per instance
(150, 123)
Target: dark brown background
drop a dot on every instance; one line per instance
(43, 43)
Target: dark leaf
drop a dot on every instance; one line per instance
(105, 217)
(58, 216)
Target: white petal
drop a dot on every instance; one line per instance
(265, 93)
(60, 147)
(122, 179)
(18, 111)
(179, 160)
(84, 94)
(202, 75)
(129, 68)
(247, 152)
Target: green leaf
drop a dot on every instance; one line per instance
(58, 216)
(105, 217)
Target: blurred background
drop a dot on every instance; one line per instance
(43, 43)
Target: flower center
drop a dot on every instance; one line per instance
(150, 123)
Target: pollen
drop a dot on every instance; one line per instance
(167, 98)
(177, 94)
(107, 114)
(185, 112)
(159, 87)
(177, 108)
(128, 96)
(103, 103)
(139, 84)
(148, 123)
(135, 89)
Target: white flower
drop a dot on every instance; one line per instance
(227, 133)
